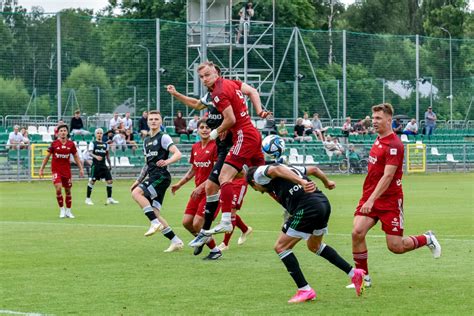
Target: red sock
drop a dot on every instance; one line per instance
(59, 198)
(360, 259)
(418, 241)
(226, 197)
(240, 224)
(227, 236)
(68, 201)
(211, 244)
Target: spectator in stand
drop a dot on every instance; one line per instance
(245, 14)
(119, 141)
(270, 126)
(26, 138)
(333, 145)
(397, 126)
(77, 126)
(115, 122)
(15, 139)
(143, 125)
(359, 128)
(282, 131)
(347, 127)
(127, 122)
(367, 122)
(109, 137)
(430, 121)
(192, 126)
(411, 128)
(60, 122)
(130, 140)
(318, 128)
(180, 124)
(299, 133)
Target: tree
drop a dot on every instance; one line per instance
(13, 97)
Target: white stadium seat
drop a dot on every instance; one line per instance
(125, 162)
(293, 152)
(260, 124)
(293, 160)
(51, 129)
(404, 138)
(42, 130)
(309, 160)
(435, 152)
(32, 130)
(47, 138)
(450, 158)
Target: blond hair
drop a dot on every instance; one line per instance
(387, 108)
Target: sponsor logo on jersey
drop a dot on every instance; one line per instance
(202, 164)
(151, 154)
(62, 156)
(373, 160)
(295, 189)
(215, 116)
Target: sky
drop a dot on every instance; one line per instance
(57, 5)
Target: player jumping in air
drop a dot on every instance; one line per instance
(61, 149)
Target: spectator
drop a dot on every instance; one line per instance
(318, 128)
(119, 141)
(397, 126)
(26, 138)
(411, 128)
(308, 125)
(347, 127)
(108, 137)
(245, 14)
(333, 145)
(115, 122)
(15, 139)
(430, 121)
(77, 126)
(282, 131)
(359, 128)
(270, 126)
(192, 126)
(130, 140)
(127, 122)
(180, 124)
(299, 133)
(368, 125)
(143, 125)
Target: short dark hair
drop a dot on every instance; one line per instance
(77, 112)
(249, 177)
(387, 108)
(63, 126)
(202, 121)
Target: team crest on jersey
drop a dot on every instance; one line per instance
(155, 142)
(393, 151)
(377, 142)
(216, 99)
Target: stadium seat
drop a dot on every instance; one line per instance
(260, 124)
(42, 130)
(450, 158)
(32, 130)
(309, 160)
(125, 162)
(51, 129)
(404, 138)
(293, 159)
(82, 145)
(435, 152)
(293, 152)
(47, 138)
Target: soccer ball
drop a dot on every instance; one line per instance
(274, 146)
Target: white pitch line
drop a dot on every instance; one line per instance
(450, 237)
(8, 312)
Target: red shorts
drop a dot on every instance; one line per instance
(196, 207)
(65, 181)
(390, 217)
(247, 150)
(239, 188)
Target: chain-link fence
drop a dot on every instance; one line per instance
(108, 64)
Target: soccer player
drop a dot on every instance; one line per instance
(203, 157)
(99, 151)
(61, 149)
(309, 211)
(149, 194)
(382, 197)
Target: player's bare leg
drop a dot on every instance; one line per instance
(142, 201)
(399, 244)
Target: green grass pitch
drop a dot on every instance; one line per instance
(100, 263)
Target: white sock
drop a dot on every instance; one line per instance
(226, 217)
(155, 221)
(215, 249)
(305, 288)
(176, 240)
(351, 273)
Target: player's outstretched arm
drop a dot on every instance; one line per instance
(284, 172)
(185, 179)
(188, 101)
(254, 97)
(318, 173)
(43, 164)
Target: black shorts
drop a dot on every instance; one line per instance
(100, 172)
(310, 218)
(223, 148)
(155, 188)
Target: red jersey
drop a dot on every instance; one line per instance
(61, 152)
(385, 151)
(203, 159)
(227, 93)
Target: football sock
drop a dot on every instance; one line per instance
(68, 200)
(305, 288)
(168, 233)
(212, 202)
(227, 236)
(240, 224)
(148, 210)
(331, 255)
(360, 259)
(419, 241)
(90, 186)
(226, 199)
(109, 190)
(59, 198)
(293, 267)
